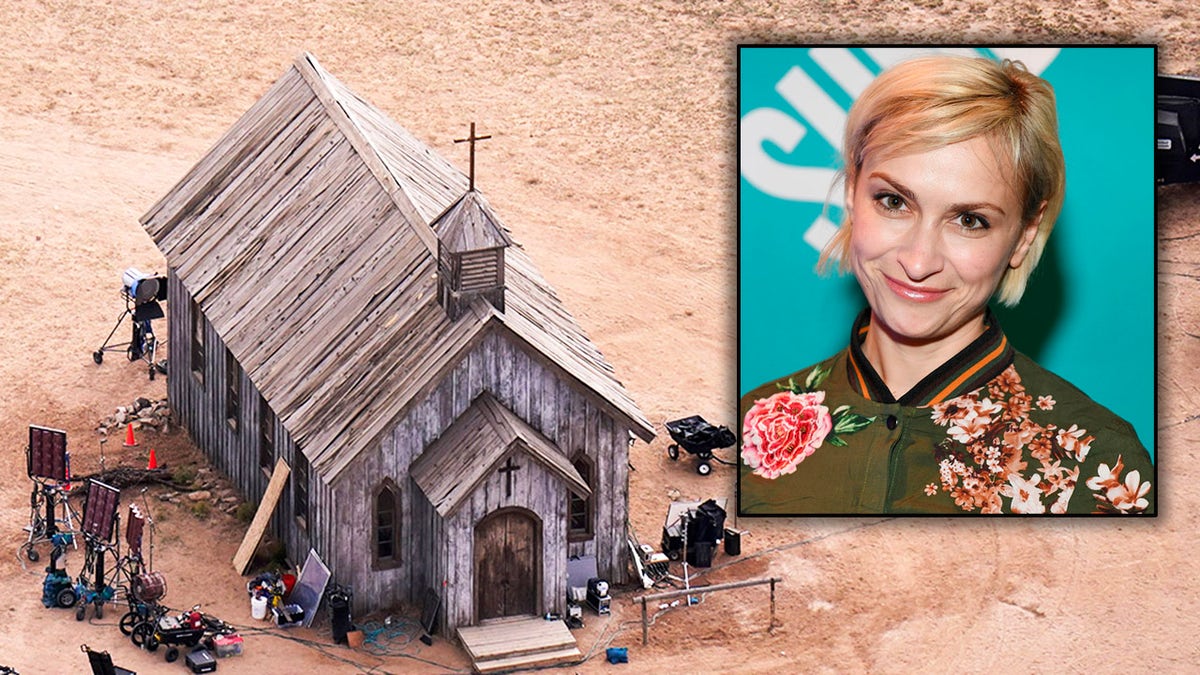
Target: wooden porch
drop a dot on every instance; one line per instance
(520, 642)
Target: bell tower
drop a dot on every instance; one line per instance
(471, 244)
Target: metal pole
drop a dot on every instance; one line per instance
(771, 628)
(707, 589)
(50, 493)
(687, 582)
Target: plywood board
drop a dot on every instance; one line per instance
(241, 559)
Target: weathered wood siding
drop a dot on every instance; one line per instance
(436, 551)
(533, 488)
(199, 405)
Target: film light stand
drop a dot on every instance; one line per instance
(142, 293)
(48, 465)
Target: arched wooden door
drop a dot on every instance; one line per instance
(508, 546)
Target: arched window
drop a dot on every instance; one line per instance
(386, 540)
(579, 510)
(300, 487)
(198, 343)
(266, 436)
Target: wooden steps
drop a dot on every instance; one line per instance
(524, 642)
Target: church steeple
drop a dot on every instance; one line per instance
(472, 138)
(471, 244)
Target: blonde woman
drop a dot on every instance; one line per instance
(954, 177)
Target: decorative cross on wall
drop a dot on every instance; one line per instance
(471, 139)
(508, 470)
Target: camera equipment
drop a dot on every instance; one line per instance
(338, 599)
(1177, 130)
(597, 595)
(142, 293)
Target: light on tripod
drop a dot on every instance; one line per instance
(142, 292)
(140, 286)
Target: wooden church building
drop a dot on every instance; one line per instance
(342, 301)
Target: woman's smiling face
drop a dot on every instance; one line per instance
(933, 233)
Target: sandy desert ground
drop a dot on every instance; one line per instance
(613, 162)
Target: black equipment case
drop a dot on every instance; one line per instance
(1177, 130)
(201, 661)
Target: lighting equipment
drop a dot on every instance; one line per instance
(134, 525)
(597, 595)
(100, 511)
(48, 465)
(47, 457)
(99, 523)
(142, 293)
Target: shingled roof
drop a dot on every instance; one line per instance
(304, 236)
(482, 437)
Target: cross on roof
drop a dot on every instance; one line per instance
(507, 470)
(471, 139)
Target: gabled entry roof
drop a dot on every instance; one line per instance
(481, 438)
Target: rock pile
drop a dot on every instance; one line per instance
(207, 486)
(142, 413)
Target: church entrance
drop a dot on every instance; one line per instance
(508, 546)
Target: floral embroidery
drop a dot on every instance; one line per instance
(982, 462)
(1115, 496)
(1025, 494)
(783, 429)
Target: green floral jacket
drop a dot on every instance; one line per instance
(989, 431)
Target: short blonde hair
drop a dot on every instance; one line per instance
(935, 101)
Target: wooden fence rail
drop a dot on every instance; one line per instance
(705, 589)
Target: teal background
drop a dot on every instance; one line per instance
(1088, 312)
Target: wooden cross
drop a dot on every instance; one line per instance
(507, 470)
(471, 139)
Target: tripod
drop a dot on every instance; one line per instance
(43, 523)
(100, 590)
(142, 343)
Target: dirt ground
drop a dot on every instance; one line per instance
(613, 163)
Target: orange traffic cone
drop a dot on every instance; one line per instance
(153, 463)
(130, 441)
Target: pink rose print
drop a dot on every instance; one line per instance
(783, 429)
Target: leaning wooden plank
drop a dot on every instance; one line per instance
(241, 559)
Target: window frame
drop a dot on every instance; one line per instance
(300, 501)
(233, 390)
(198, 352)
(386, 487)
(266, 436)
(587, 471)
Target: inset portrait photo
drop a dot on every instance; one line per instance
(946, 281)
